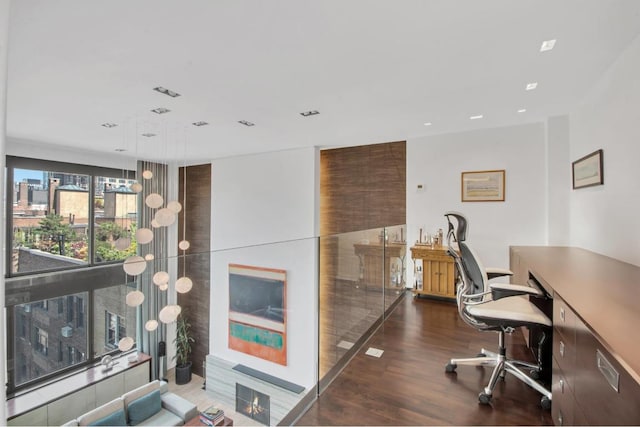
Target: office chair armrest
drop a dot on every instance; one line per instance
(493, 272)
(475, 299)
(502, 290)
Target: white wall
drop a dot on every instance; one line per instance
(257, 201)
(437, 162)
(604, 219)
(558, 180)
(4, 42)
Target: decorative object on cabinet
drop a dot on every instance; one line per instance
(588, 170)
(257, 312)
(436, 276)
(483, 186)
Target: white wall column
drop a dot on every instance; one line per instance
(558, 180)
(4, 55)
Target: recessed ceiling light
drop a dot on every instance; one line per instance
(428, 124)
(531, 86)
(161, 110)
(166, 91)
(246, 123)
(120, 150)
(479, 116)
(200, 123)
(522, 110)
(149, 134)
(547, 45)
(310, 113)
(109, 125)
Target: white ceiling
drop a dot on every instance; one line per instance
(376, 70)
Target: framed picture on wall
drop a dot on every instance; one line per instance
(257, 312)
(587, 171)
(483, 186)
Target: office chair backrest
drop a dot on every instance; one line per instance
(470, 262)
(472, 277)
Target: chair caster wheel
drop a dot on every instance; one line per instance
(451, 367)
(484, 398)
(545, 402)
(534, 374)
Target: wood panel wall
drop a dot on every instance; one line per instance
(362, 187)
(194, 225)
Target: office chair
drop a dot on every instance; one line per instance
(493, 307)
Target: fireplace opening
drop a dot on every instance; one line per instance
(253, 404)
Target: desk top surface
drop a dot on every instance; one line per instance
(604, 293)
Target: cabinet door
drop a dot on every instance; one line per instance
(604, 390)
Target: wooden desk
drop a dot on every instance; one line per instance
(596, 342)
(438, 271)
(373, 270)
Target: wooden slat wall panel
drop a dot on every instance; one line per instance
(362, 187)
(197, 230)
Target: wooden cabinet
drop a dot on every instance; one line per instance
(381, 263)
(438, 272)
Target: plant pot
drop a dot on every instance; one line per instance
(183, 373)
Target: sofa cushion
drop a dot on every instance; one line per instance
(132, 395)
(101, 411)
(144, 407)
(179, 406)
(163, 418)
(116, 419)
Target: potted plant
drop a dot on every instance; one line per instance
(183, 342)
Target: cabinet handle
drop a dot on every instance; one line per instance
(608, 371)
(561, 349)
(562, 386)
(560, 419)
(562, 313)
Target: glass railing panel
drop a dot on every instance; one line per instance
(396, 258)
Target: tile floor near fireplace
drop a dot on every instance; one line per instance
(253, 404)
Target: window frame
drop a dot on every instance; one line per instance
(29, 287)
(15, 162)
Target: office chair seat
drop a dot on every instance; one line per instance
(512, 311)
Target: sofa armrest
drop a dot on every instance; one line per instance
(179, 406)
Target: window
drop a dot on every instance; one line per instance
(41, 341)
(42, 353)
(53, 220)
(62, 217)
(116, 329)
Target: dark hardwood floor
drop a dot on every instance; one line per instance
(408, 384)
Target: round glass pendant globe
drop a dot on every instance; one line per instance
(136, 187)
(184, 245)
(134, 298)
(169, 313)
(155, 224)
(164, 287)
(125, 344)
(149, 257)
(122, 243)
(160, 278)
(144, 235)
(154, 200)
(134, 265)
(151, 325)
(175, 206)
(165, 217)
(147, 174)
(183, 285)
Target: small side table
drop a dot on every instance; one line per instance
(195, 421)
